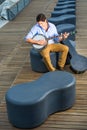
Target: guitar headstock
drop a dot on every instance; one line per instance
(73, 32)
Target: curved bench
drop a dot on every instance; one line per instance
(56, 13)
(10, 9)
(68, 18)
(65, 6)
(65, 3)
(62, 28)
(65, 0)
(29, 104)
(1, 1)
(37, 62)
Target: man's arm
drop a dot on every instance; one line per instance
(33, 41)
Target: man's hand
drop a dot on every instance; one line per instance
(65, 35)
(42, 42)
(61, 37)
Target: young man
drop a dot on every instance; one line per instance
(48, 30)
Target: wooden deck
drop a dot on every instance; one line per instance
(15, 65)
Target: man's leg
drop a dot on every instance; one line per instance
(46, 56)
(63, 49)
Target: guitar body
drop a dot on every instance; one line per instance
(37, 46)
(78, 63)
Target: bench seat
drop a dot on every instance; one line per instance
(67, 18)
(29, 104)
(56, 13)
(9, 9)
(65, 7)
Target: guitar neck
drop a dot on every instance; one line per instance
(70, 33)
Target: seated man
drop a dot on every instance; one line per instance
(48, 30)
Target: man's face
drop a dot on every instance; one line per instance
(43, 24)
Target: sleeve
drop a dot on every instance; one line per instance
(31, 33)
(56, 39)
(56, 34)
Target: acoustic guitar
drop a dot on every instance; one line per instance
(39, 47)
(78, 63)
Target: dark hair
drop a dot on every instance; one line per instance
(40, 17)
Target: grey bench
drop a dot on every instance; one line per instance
(67, 18)
(65, 7)
(71, 28)
(1, 1)
(29, 104)
(37, 62)
(11, 11)
(56, 13)
(65, 2)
